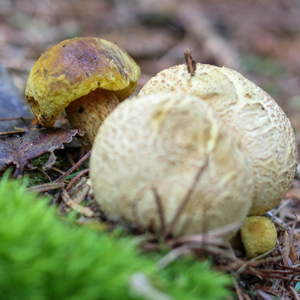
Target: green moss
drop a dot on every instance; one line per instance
(194, 280)
(44, 258)
(36, 176)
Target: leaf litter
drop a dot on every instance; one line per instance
(19, 151)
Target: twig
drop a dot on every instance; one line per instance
(285, 250)
(281, 277)
(74, 179)
(42, 188)
(44, 173)
(211, 237)
(287, 272)
(237, 289)
(294, 293)
(13, 132)
(185, 200)
(58, 170)
(257, 261)
(160, 209)
(190, 63)
(61, 178)
(264, 295)
(17, 118)
(87, 212)
(287, 267)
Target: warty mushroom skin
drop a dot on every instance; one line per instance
(87, 77)
(161, 141)
(262, 126)
(258, 235)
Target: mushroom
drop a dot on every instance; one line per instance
(259, 235)
(263, 128)
(167, 160)
(85, 76)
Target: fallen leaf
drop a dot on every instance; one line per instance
(20, 150)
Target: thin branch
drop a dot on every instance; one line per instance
(17, 118)
(237, 289)
(160, 209)
(190, 63)
(74, 179)
(294, 293)
(264, 296)
(185, 200)
(213, 236)
(87, 212)
(73, 168)
(258, 261)
(13, 132)
(42, 188)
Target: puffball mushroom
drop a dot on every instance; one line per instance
(160, 143)
(263, 128)
(259, 235)
(85, 76)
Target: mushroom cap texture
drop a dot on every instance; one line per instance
(263, 128)
(161, 141)
(74, 68)
(259, 235)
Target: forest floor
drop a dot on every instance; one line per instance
(260, 39)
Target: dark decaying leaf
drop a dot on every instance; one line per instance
(20, 150)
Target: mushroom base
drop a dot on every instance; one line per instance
(88, 112)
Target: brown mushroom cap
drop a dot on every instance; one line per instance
(74, 68)
(161, 141)
(262, 126)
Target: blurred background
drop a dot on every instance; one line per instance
(260, 39)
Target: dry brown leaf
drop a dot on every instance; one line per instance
(19, 151)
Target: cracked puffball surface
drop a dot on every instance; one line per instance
(93, 71)
(263, 128)
(160, 142)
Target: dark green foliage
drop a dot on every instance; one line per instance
(43, 258)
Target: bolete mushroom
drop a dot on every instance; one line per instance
(169, 156)
(85, 76)
(263, 128)
(259, 235)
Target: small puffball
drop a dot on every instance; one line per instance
(259, 235)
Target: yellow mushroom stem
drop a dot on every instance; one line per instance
(88, 112)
